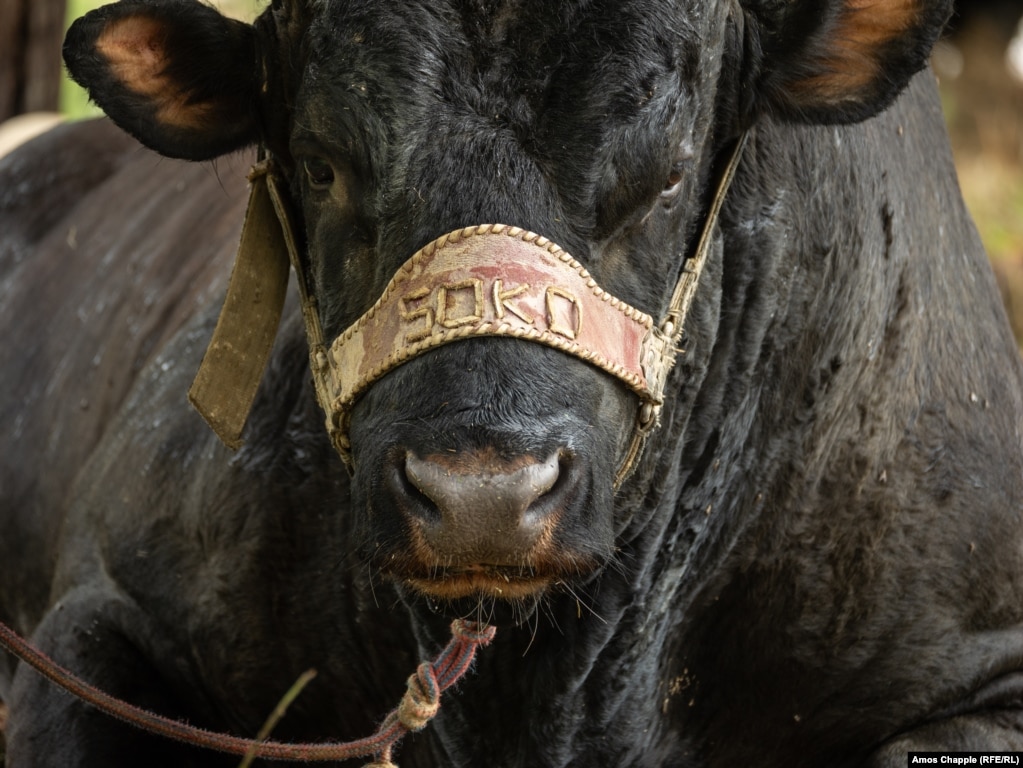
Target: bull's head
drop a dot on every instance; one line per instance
(486, 464)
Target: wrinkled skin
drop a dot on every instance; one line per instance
(815, 561)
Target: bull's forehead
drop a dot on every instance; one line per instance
(564, 119)
(511, 58)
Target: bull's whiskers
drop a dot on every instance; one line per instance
(583, 603)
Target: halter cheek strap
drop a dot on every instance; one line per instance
(489, 280)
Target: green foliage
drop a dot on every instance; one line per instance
(74, 101)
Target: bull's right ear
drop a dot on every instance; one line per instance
(176, 74)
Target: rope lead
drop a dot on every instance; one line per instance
(418, 706)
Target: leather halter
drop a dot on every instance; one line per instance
(489, 280)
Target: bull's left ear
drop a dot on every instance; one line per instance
(175, 74)
(838, 61)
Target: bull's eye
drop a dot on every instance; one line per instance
(673, 183)
(320, 174)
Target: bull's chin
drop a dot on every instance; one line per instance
(482, 582)
(494, 595)
(483, 601)
(497, 594)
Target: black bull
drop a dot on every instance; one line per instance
(817, 559)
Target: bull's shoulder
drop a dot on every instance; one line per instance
(106, 252)
(44, 178)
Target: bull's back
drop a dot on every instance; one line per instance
(105, 251)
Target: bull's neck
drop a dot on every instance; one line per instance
(809, 294)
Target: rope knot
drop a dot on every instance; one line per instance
(473, 632)
(422, 699)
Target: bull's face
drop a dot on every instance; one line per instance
(486, 466)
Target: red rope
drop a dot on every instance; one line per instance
(417, 708)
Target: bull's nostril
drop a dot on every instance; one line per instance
(485, 507)
(421, 504)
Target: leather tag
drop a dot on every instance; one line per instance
(225, 386)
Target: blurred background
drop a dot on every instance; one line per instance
(979, 65)
(980, 70)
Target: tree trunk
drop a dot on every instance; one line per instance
(30, 66)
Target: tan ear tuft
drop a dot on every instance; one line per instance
(134, 53)
(839, 61)
(849, 64)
